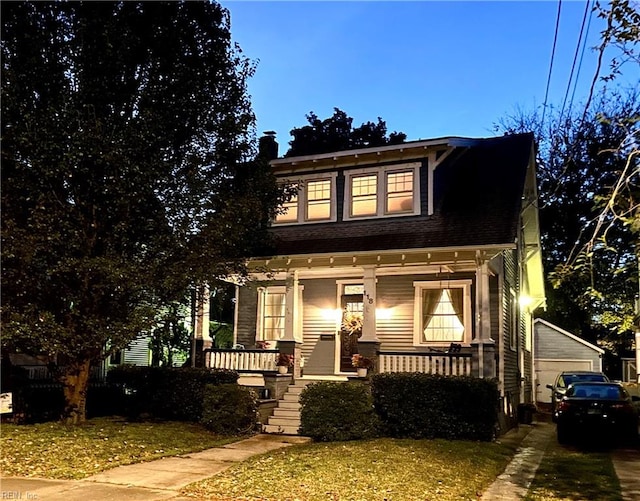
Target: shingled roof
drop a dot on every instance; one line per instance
(478, 192)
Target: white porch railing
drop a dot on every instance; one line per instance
(444, 364)
(242, 360)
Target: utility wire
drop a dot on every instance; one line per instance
(575, 58)
(584, 46)
(553, 52)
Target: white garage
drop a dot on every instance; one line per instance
(556, 350)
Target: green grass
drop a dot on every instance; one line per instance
(567, 474)
(382, 469)
(53, 450)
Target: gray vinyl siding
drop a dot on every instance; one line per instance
(511, 371)
(137, 353)
(396, 293)
(247, 315)
(552, 344)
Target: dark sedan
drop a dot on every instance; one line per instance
(593, 410)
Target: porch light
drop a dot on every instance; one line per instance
(331, 314)
(525, 301)
(383, 313)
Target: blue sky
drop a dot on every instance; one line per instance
(429, 69)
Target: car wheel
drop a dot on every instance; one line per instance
(562, 433)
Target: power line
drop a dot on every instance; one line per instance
(575, 57)
(553, 53)
(584, 46)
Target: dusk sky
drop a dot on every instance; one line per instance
(429, 69)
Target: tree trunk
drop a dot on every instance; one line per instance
(75, 383)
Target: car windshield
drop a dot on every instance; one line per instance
(596, 391)
(572, 378)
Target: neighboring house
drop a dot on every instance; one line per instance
(557, 350)
(424, 256)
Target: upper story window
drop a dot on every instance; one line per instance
(385, 191)
(314, 202)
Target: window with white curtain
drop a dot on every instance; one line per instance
(271, 312)
(442, 312)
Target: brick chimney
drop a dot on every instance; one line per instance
(267, 146)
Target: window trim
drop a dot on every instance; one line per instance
(419, 286)
(381, 173)
(303, 206)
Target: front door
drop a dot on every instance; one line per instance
(350, 329)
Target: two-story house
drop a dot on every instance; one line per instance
(424, 256)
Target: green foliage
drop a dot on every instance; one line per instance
(168, 392)
(416, 405)
(125, 169)
(336, 133)
(588, 214)
(170, 339)
(337, 412)
(229, 409)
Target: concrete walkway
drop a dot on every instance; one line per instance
(626, 462)
(152, 481)
(514, 483)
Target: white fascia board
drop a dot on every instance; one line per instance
(568, 334)
(444, 141)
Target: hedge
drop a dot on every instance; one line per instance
(337, 411)
(229, 409)
(174, 393)
(415, 405)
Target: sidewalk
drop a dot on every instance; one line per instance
(152, 481)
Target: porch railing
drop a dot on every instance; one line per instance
(445, 364)
(241, 360)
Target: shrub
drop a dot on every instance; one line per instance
(229, 409)
(174, 393)
(37, 401)
(337, 412)
(418, 405)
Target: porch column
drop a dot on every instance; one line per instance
(484, 354)
(369, 344)
(291, 307)
(289, 343)
(201, 338)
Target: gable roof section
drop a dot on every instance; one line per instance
(568, 334)
(478, 193)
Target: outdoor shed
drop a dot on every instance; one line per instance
(556, 350)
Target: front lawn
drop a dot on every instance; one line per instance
(382, 469)
(53, 450)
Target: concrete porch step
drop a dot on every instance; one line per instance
(283, 430)
(286, 413)
(284, 421)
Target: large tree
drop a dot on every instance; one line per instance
(126, 135)
(337, 133)
(588, 243)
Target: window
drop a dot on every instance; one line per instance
(364, 195)
(399, 192)
(290, 211)
(515, 321)
(443, 312)
(314, 202)
(318, 200)
(384, 191)
(271, 311)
